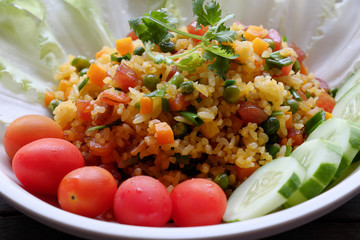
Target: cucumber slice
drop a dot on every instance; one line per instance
(265, 190)
(344, 133)
(348, 84)
(348, 107)
(321, 160)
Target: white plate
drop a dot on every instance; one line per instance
(271, 224)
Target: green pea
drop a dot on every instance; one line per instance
(271, 125)
(138, 51)
(270, 42)
(180, 129)
(273, 138)
(187, 87)
(80, 62)
(150, 81)
(229, 82)
(293, 104)
(232, 94)
(223, 181)
(83, 72)
(296, 67)
(168, 46)
(53, 104)
(177, 79)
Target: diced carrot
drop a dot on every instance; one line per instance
(124, 45)
(96, 75)
(178, 103)
(244, 173)
(284, 141)
(146, 105)
(67, 92)
(252, 32)
(303, 69)
(63, 85)
(259, 45)
(328, 115)
(164, 133)
(259, 61)
(49, 96)
(100, 53)
(289, 121)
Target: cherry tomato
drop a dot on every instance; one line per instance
(125, 77)
(191, 28)
(197, 202)
(41, 164)
(276, 37)
(142, 201)
(132, 35)
(251, 112)
(326, 102)
(87, 191)
(29, 128)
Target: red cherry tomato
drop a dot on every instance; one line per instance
(276, 37)
(301, 54)
(29, 128)
(251, 112)
(326, 102)
(197, 202)
(83, 110)
(125, 77)
(142, 201)
(191, 28)
(42, 164)
(87, 191)
(132, 35)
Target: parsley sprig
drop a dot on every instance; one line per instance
(156, 27)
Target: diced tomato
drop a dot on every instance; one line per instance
(286, 70)
(178, 103)
(101, 117)
(114, 97)
(251, 112)
(132, 35)
(244, 173)
(323, 84)
(296, 135)
(191, 28)
(83, 110)
(276, 37)
(171, 73)
(326, 102)
(125, 77)
(301, 54)
(99, 149)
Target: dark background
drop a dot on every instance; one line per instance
(341, 224)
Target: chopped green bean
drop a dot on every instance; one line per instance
(83, 83)
(177, 79)
(270, 42)
(83, 72)
(229, 82)
(53, 104)
(295, 94)
(223, 181)
(194, 118)
(314, 122)
(115, 58)
(273, 150)
(296, 67)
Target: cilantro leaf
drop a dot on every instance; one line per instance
(208, 14)
(221, 65)
(148, 27)
(191, 63)
(222, 51)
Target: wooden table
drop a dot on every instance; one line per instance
(341, 224)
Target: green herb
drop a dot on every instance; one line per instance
(83, 83)
(157, 93)
(333, 91)
(295, 94)
(193, 117)
(117, 122)
(155, 27)
(314, 122)
(115, 58)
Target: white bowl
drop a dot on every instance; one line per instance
(271, 224)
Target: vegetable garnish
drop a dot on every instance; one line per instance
(153, 28)
(114, 123)
(193, 117)
(115, 58)
(83, 83)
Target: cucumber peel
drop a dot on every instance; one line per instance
(348, 107)
(265, 190)
(321, 159)
(344, 133)
(348, 84)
